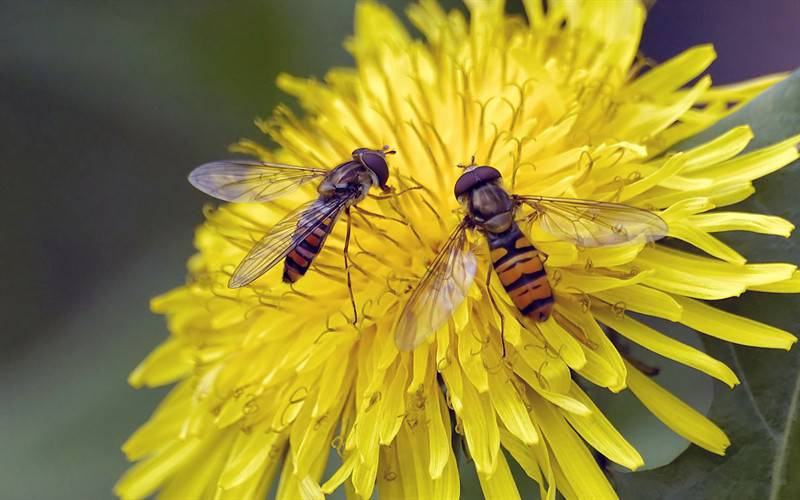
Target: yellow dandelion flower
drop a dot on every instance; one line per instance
(270, 379)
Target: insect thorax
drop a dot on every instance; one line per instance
(490, 207)
(350, 175)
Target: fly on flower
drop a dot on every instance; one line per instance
(297, 238)
(518, 264)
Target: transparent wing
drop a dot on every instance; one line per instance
(594, 223)
(250, 181)
(285, 236)
(440, 291)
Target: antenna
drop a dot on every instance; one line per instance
(471, 163)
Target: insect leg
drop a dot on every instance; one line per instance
(347, 267)
(497, 310)
(393, 194)
(364, 211)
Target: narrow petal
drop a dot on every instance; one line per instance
(166, 364)
(643, 299)
(791, 285)
(753, 165)
(742, 221)
(674, 73)
(566, 345)
(724, 147)
(146, 476)
(601, 434)
(677, 415)
(571, 453)
(510, 408)
(733, 328)
(666, 346)
(500, 484)
(705, 242)
(480, 429)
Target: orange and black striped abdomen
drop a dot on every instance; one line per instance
(303, 254)
(519, 266)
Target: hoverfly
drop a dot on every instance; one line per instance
(491, 210)
(299, 237)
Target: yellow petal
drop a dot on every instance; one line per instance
(685, 274)
(480, 429)
(469, 349)
(683, 208)
(393, 406)
(500, 484)
(341, 474)
(742, 91)
(146, 476)
(510, 408)
(674, 73)
(671, 166)
(666, 346)
(571, 453)
(249, 455)
(601, 434)
(719, 195)
(526, 458)
(570, 280)
(568, 348)
(722, 148)
(676, 414)
(540, 384)
(439, 443)
(597, 342)
(733, 328)
(755, 164)
(199, 479)
(310, 489)
(791, 285)
(705, 242)
(166, 364)
(741, 221)
(643, 299)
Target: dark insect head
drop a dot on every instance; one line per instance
(473, 177)
(375, 161)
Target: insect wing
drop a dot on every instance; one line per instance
(285, 236)
(440, 291)
(594, 223)
(251, 181)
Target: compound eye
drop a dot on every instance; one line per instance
(377, 163)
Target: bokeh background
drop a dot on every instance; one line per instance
(104, 108)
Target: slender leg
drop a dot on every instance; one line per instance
(497, 310)
(364, 211)
(347, 267)
(393, 195)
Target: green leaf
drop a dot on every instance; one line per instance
(761, 415)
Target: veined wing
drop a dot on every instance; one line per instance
(249, 180)
(440, 291)
(594, 223)
(285, 236)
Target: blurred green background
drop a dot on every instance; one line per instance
(104, 108)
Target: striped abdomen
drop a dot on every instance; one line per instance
(519, 266)
(300, 258)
